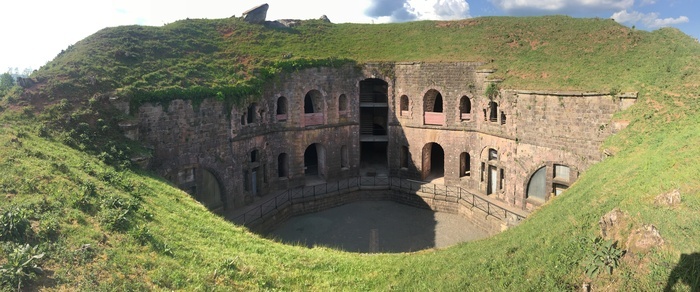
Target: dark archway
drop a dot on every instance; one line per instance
(281, 111)
(465, 108)
(207, 190)
(433, 161)
(282, 165)
(432, 101)
(464, 164)
(432, 108)
(313, 102)
(314, 163)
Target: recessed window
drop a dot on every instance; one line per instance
(404, 157)
(254, 156)
(281, 111)
(342, 103)
(562, 172)
(536, 187)
(465, 108)
(493, 110)
(464, 164)
(344, 156)
(282, 165)
(493, 154)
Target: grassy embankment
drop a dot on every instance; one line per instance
(143, 233)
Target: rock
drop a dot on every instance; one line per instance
(25, 82)
(670, 199)
(611, 222)
(324, 18)
(644, 238)
(288, 22)
(257, 14)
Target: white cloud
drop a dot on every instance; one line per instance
(648, 2)
(649, 20)
(553, 6)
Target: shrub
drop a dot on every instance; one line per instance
(14, 225)
(605, 255)
(21, 266)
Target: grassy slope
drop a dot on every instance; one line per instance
(188, 248)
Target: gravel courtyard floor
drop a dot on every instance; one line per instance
(377, 226)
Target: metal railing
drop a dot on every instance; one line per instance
(454, 194)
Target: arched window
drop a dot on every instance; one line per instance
(403, 105)
(432, 108)
(465, 108)
(537, 186)
(282, 165)
(464, 164)
(313, 108)
(281, 111)
(404, 157)
(252, 113)
(493, 110)
(342, 103)
(313, 102)
(432, 101)
(503, 118)
(254, 156)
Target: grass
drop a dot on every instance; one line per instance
(165, 240)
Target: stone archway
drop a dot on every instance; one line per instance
(314, 163)
(433, 161)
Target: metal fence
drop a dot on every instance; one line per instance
(311, 193)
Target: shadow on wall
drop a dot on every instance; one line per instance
(687, 271)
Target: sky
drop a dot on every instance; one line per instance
(34, 32)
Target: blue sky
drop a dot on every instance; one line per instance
(35, 32)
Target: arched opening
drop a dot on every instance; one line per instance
(537, 186)
(433, 161)
(432, 101)
(493, 111)
(342, 103)
(254, 156)
(282, 165)
(465, 108)
(403, 105)
(208, 190)
(404, 157)
(374, 90)
(313, 108)
(374, 119)
(490, 172)
(464, 165)
(252, 113)
(281, 111)
(344, 158)
(314, 163)
(432, 108)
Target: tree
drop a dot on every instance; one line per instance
(6, 81)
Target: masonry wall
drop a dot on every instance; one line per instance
(530, 130)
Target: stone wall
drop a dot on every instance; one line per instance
(243, 148)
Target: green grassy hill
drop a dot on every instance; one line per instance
(69, 192)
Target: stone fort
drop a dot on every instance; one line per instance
(428, 122)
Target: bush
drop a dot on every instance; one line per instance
(14, 225)
(605, 255)
(21, 266)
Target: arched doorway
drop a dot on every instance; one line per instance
(207, 190)
(433, 161)
(314, 163)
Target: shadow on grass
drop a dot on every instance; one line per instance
(686, 271)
